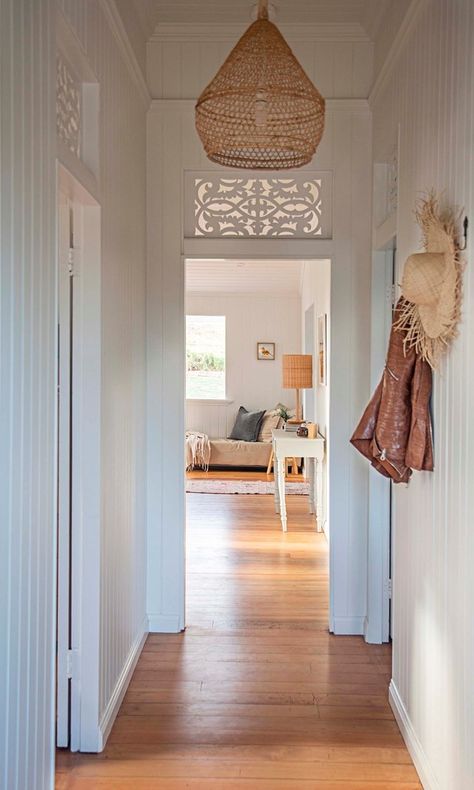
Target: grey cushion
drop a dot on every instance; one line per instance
(247, 425)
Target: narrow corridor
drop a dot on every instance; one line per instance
(256, 694)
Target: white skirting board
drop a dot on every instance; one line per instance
(348, 626)
(427, 778)
(165, 624)
(110, 713)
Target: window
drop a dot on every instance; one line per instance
(205, 357)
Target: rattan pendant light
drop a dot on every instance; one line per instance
(260, 111)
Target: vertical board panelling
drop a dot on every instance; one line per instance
(429, 95)
(122, 185)
(338, 153)
(341, 406)
(171, 65)
(190, 66)
(155, 378)
(27, 394)
(324, 68)
(343, 70)
(181, 69)
(362, 69)
(304, 52)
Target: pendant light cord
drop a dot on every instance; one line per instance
(262, 9)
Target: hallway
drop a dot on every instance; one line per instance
(256, 693)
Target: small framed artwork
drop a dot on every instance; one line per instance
(322, 351)
(265, 350)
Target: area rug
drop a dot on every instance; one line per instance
(242, 487)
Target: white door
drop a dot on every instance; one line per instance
(64, 465)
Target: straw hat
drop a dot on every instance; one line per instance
(431, 285)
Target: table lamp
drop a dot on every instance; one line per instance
(298, 375)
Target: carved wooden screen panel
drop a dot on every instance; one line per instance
(68, 107)
(231, 205)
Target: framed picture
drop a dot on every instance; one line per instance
(265, 350)
(322, 361)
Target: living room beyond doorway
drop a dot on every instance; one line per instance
(242, 318)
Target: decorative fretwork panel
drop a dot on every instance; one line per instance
(256, 206)
(68, 107)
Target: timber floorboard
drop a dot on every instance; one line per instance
(256, 694)
(240, 474)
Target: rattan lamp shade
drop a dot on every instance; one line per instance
(298, 375)
(260, 111)
(297, 371)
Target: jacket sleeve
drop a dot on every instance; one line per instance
(419, 453)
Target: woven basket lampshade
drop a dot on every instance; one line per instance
(298, 375)
(260, 111)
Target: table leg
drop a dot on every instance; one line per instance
(311, 470)
(276, 492)
(281, 491)
(318, 495)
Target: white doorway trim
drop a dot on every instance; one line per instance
(309, 347)
(79, 560)
(377, 627)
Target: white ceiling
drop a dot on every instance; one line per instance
(363, 12)
(257, 277)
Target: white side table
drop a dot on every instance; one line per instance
(286, 445)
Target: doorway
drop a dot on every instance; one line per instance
(247, 313)
(78, 463)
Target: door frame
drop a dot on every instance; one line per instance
(309, 347)
(377, 628)
(84, 570)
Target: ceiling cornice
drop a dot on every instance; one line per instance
(209, 32)
(117, 27)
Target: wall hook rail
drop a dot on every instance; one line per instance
(465, 225)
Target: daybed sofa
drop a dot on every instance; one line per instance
(234, 452)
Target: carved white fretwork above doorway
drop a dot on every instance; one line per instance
(68, 107)
(256, 206)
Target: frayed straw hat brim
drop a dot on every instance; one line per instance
(431, 285)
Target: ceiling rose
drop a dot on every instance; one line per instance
(260, 111)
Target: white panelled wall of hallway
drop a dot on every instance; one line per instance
(426, 100)
(27, 395)
(399, 95)
(91, 37)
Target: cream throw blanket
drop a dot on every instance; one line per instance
(198, 450)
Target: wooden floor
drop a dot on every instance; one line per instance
(238, 474)
(256, 695)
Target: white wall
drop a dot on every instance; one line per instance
(316, 292)
(182, 59)
(173, 147)
(121, 188)
(27, 394)
(250, 382)
(428, 96)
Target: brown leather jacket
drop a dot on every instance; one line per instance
(394, 432)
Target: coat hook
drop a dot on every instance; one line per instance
(464, 233)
